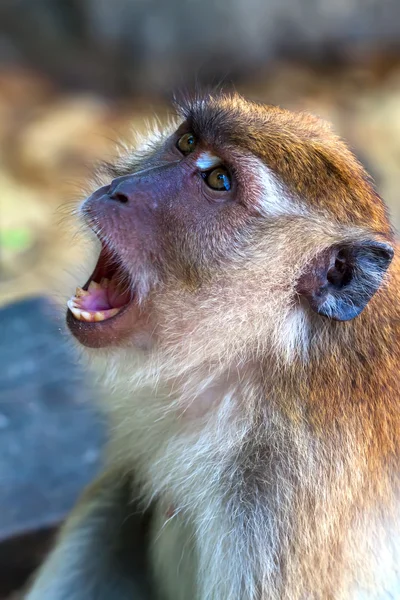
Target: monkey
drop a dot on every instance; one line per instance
(243, 316)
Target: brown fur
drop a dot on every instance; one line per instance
(300, 148)
(273, 431)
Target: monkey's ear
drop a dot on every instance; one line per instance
(340, 281)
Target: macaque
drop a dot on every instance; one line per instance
(243, 314)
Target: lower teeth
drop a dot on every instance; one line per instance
(92, 316)
(103, 295)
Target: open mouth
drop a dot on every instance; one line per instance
(106, 310)
(105, 294)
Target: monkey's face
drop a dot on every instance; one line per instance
(174, 221)
(232, 221)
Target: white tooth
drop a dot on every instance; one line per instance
(86, 316)
(73, 302)
(99, 315)
(75, 311)
(94, 286)
(104, 283)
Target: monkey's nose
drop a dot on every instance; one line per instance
(121, 191)
(119, 194)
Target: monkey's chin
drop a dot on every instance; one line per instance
(114, 332)
(104, 312)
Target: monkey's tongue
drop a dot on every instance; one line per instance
(100, 301)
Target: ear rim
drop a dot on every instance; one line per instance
(346, 302)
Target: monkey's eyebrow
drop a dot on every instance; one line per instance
(157, 166)
(207, 160)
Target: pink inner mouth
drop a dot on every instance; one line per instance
(104, 296)
(106, 293)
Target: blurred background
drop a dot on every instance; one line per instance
(76, 76)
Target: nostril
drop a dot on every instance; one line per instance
(119, 197)
(120, 189)
(117, 193)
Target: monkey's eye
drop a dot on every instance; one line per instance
(218, 179)
(187, 143)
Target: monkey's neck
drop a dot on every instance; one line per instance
(290, 463)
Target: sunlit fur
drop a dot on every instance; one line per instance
(272, 432)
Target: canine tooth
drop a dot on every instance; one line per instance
(104, 282)
(80, 292)
(94, 286)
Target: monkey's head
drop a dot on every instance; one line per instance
(237, 230)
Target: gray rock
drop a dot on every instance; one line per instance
(50, 435)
